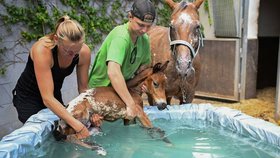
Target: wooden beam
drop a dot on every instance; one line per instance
(277, 98)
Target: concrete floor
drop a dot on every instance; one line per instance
(9, 121)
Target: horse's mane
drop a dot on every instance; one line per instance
(182, 6)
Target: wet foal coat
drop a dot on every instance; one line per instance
(105, 102)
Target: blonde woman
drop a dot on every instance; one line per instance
(51, 59)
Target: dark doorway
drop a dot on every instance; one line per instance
(267, 62)
(268, 41)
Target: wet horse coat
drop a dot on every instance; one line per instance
(179, 44)
(105, 102)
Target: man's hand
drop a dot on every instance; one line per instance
(96, 120)
(133, 111)
(144, 89)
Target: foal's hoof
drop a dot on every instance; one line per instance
(158, 133)
(97, 148)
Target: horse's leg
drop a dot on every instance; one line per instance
(188, 98)
(168, 100)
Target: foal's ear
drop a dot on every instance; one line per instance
(197, 3)
(159, 67)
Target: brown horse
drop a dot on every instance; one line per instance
(179, 44)
(106, 102)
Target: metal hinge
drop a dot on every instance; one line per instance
(240, 53)
(239, 88)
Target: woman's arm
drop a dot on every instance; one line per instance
(42, 58)
(83, 68)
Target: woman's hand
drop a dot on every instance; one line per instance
(96, 120)
(82, 133)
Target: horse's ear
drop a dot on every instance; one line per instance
(164, 66)
(197, 3)
(171, 4)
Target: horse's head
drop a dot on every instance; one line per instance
(156, 85)
(185, 36)
(154, 79)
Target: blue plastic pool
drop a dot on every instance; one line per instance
(190, 138)
(195, 131)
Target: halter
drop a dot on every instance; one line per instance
(193, 54)
(185, 43)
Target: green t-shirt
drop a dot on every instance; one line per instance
(118, 47)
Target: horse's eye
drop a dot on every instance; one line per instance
(155, 84)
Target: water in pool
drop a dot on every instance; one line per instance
(190, 138)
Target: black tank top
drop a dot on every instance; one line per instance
(27, 88)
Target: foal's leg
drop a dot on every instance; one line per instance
(154, 132)
(127, 122)
(93, 146)
(157, 133)
(144, 120)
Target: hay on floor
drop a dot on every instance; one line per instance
(262, 107)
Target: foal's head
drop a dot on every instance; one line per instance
(154, 79)
(156, 86)
(184, 34)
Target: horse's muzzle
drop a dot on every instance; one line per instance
(185, 68)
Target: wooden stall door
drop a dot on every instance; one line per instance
(220, 69)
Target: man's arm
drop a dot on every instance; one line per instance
(118, 83)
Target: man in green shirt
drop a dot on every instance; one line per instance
(125, 50)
